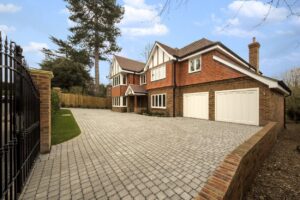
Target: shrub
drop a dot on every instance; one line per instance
(294, 113)
(54, 102)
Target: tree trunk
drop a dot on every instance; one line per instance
(97, 81)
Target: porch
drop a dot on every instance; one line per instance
(136, 97)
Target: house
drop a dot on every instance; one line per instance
(204, 80)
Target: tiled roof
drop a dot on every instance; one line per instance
(191, 48)
(138, 89)
(129, 64)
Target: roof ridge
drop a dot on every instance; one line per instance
(129, 59)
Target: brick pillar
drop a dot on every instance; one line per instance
(42, 80)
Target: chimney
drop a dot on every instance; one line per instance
(254, 54)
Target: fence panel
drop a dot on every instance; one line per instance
(77, 100)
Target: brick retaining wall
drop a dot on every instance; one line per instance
(232, 178)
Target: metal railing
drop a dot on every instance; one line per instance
(19, 114)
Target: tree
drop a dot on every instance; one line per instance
(95, 28)
(146, 51)
(67, 73)
(292, 79)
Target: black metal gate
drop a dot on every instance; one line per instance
(19, 114)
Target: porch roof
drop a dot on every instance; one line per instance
(135, 90)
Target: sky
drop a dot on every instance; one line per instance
(234, 23)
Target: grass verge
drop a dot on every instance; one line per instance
(64, 127)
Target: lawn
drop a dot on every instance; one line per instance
(64, 126)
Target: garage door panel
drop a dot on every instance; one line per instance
(239, 106)
(195, 105)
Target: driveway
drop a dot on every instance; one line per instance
(130, 156)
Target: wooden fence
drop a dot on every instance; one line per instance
(81, 101)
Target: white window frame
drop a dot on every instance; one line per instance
(194, 60)
(118, 101)
(158, 73)
(118, 80)
(156, 100)
(143, 79)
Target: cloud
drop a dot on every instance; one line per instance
(259, 10)
(156, 29)
(141, 19)
(35, 47)
(9, 8)
(235, 32)
(6, 29)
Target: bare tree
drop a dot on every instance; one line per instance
(145, 53)
(292, 79)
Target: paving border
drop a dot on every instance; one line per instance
(235, 174)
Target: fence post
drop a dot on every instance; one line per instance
(42, 80)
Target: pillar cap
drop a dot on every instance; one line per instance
(40, 71)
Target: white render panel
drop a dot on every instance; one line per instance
(238, 106)
(159, 57)
(195, 105)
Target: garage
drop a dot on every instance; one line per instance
(195, 105)
(238, 106)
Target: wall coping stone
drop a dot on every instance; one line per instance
(40, 71)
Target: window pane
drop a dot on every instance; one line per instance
(124, 101)
(124, 79)
(164, 100)
(159, 101)
(197, 64)
(152, 101)
(156, 100)
(192, 66)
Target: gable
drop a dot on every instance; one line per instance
(115, 67)
(157, 57)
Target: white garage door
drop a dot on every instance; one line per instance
(239, 106)
(195, 105)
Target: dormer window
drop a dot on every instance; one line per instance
(195, 64)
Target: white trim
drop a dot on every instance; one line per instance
(151, 53)
(159, 107)
(237, 90)
(269, 82)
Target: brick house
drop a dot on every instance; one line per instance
(203, 80)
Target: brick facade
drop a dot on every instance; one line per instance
(42, 79)
(168, 111)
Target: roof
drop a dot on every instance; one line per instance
(188, 49)
(135, 90)
(129, 64)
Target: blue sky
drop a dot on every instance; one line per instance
(234, 23)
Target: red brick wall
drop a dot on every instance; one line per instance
(133, 79)
(118, 90)
(211, 71)
(42, 79)
(168, 81)
(169, 101)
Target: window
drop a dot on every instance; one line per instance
(158, 73)
(143, 79)
(195, 65)
(124, 79)
(120, 79)
(158, 101)
(119, 101)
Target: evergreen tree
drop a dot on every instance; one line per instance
(95, 28)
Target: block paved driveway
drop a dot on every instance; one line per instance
(130, 156)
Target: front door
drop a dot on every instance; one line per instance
(130, 104)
